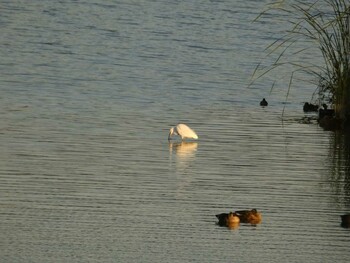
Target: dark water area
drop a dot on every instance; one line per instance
(88, 93)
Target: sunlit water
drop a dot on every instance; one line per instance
(89, 91)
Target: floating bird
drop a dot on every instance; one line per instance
(222, 219)
(249, 216)
(310, 107)
(263, 102)
(325, 112)
(345, 221)
(183, 131)
(230, 220)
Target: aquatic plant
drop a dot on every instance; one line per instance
(326, 24)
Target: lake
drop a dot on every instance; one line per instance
(89, 91)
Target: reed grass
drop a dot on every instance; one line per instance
(327, 24)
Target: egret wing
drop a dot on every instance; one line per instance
(186, 132)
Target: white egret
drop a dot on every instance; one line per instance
(183, 131)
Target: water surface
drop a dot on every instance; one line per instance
(89, 91)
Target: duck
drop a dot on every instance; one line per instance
(263, 103)
(345, 220)
(310, 107)
(228, 219)
(249, 216)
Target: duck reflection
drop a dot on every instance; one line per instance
(233, 225)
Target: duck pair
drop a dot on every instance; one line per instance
(243, 216)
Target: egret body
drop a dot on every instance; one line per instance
(183, 131)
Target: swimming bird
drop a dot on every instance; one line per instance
(230, 220)
(345, 220)
(310, 107)
(263, 102)
(183, 131)
(249, 216)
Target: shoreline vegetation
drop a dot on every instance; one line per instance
(326, 25)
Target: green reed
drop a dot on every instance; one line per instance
(327, 24)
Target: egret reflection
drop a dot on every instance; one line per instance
(185, 152)
(183, 149)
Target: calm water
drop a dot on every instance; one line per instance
(88, 92)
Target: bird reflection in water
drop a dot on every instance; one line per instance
(184, 150)
(185, 154)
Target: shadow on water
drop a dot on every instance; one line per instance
(340, 166)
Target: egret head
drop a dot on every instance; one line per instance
(171, 132)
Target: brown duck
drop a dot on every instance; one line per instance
(249, 216)
(228, 219)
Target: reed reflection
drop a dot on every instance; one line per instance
(340, 166)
